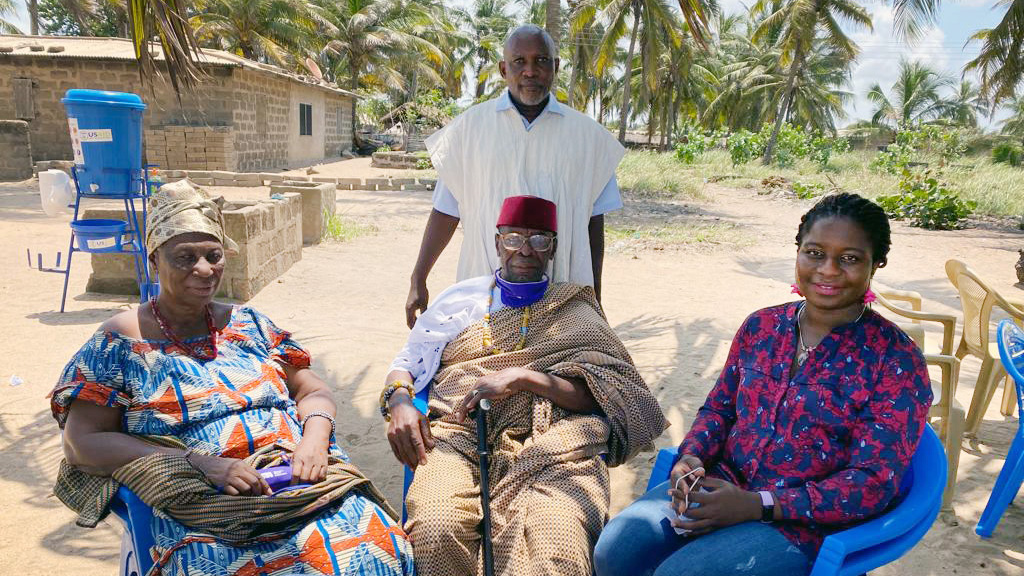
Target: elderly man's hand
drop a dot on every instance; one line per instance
(495, 386)
(231, 475)
(409, 434)
(309, 461)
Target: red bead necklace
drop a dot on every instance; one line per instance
(194, 350)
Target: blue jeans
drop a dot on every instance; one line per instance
(640, 542)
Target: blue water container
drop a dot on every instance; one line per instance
(99, 235)
(106, 139)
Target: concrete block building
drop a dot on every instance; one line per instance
(245, 116)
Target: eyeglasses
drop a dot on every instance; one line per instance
(515, 241)
(696, 480)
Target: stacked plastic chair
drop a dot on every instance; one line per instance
(1010, 341)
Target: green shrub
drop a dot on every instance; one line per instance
(952, 145)
(822, 147)
(338, 228)
(790, 145)
(894, 159)
(384, 148)
(692, 144)
(807, 191)
(744, 146)
(927, 202)
(1007, 153)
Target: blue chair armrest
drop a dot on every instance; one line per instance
(137, 517)
(887, 537)
(662, 467)
(420, 402)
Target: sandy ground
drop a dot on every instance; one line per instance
(675, 308)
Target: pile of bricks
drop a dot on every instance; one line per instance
(191, 147)
(395, 160)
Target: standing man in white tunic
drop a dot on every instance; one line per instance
(523, 143)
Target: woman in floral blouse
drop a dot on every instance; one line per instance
(809, 429)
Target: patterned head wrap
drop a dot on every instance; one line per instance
(180, 208)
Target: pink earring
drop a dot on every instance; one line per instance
(795, 290)
(869, 296)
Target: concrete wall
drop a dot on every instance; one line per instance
(52, 78)
(256, 105)
(16, 156)
(319, 205)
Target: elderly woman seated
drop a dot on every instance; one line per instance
(184, 399)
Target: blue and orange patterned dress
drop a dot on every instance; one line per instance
(230, 406)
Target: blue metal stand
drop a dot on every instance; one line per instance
(133, 240)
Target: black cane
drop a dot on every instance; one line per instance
(485, 486)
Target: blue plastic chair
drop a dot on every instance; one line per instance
(135, 547)
(882, 539)
(1010, 341)
(420, 402)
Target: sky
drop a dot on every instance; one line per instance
(942, 46)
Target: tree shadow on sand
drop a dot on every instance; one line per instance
(37, 455)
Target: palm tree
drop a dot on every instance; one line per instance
(553, 19)
(965, 105)
(167, 22)
(273, 31)
(1000, 63)
(737, 80)
(445, 33)
(805, 24)
(659, 23)
(916, 97)
(488, 22)
(367, 39)
(1014, 125)
(7, 7)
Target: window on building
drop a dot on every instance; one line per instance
(305, 119)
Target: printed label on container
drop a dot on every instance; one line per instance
(76, 141)
(96, 135)
(101, 243)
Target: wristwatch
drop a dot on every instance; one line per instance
(767, 506)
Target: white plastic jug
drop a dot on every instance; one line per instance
(56, 192)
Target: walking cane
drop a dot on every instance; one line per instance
(485, 486)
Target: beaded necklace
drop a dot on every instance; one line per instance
(193, 350)
(488, 338)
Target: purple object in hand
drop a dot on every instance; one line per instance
(277, 477)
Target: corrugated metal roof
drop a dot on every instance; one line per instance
(89, 48)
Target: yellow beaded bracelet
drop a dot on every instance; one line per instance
(389, 390)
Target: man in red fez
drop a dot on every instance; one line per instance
(567, 403)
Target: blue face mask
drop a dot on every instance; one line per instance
(519, 294)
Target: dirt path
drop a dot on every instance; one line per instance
(676, 309)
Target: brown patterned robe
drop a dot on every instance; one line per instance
(549, 481)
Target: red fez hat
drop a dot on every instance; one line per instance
(528, 212)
